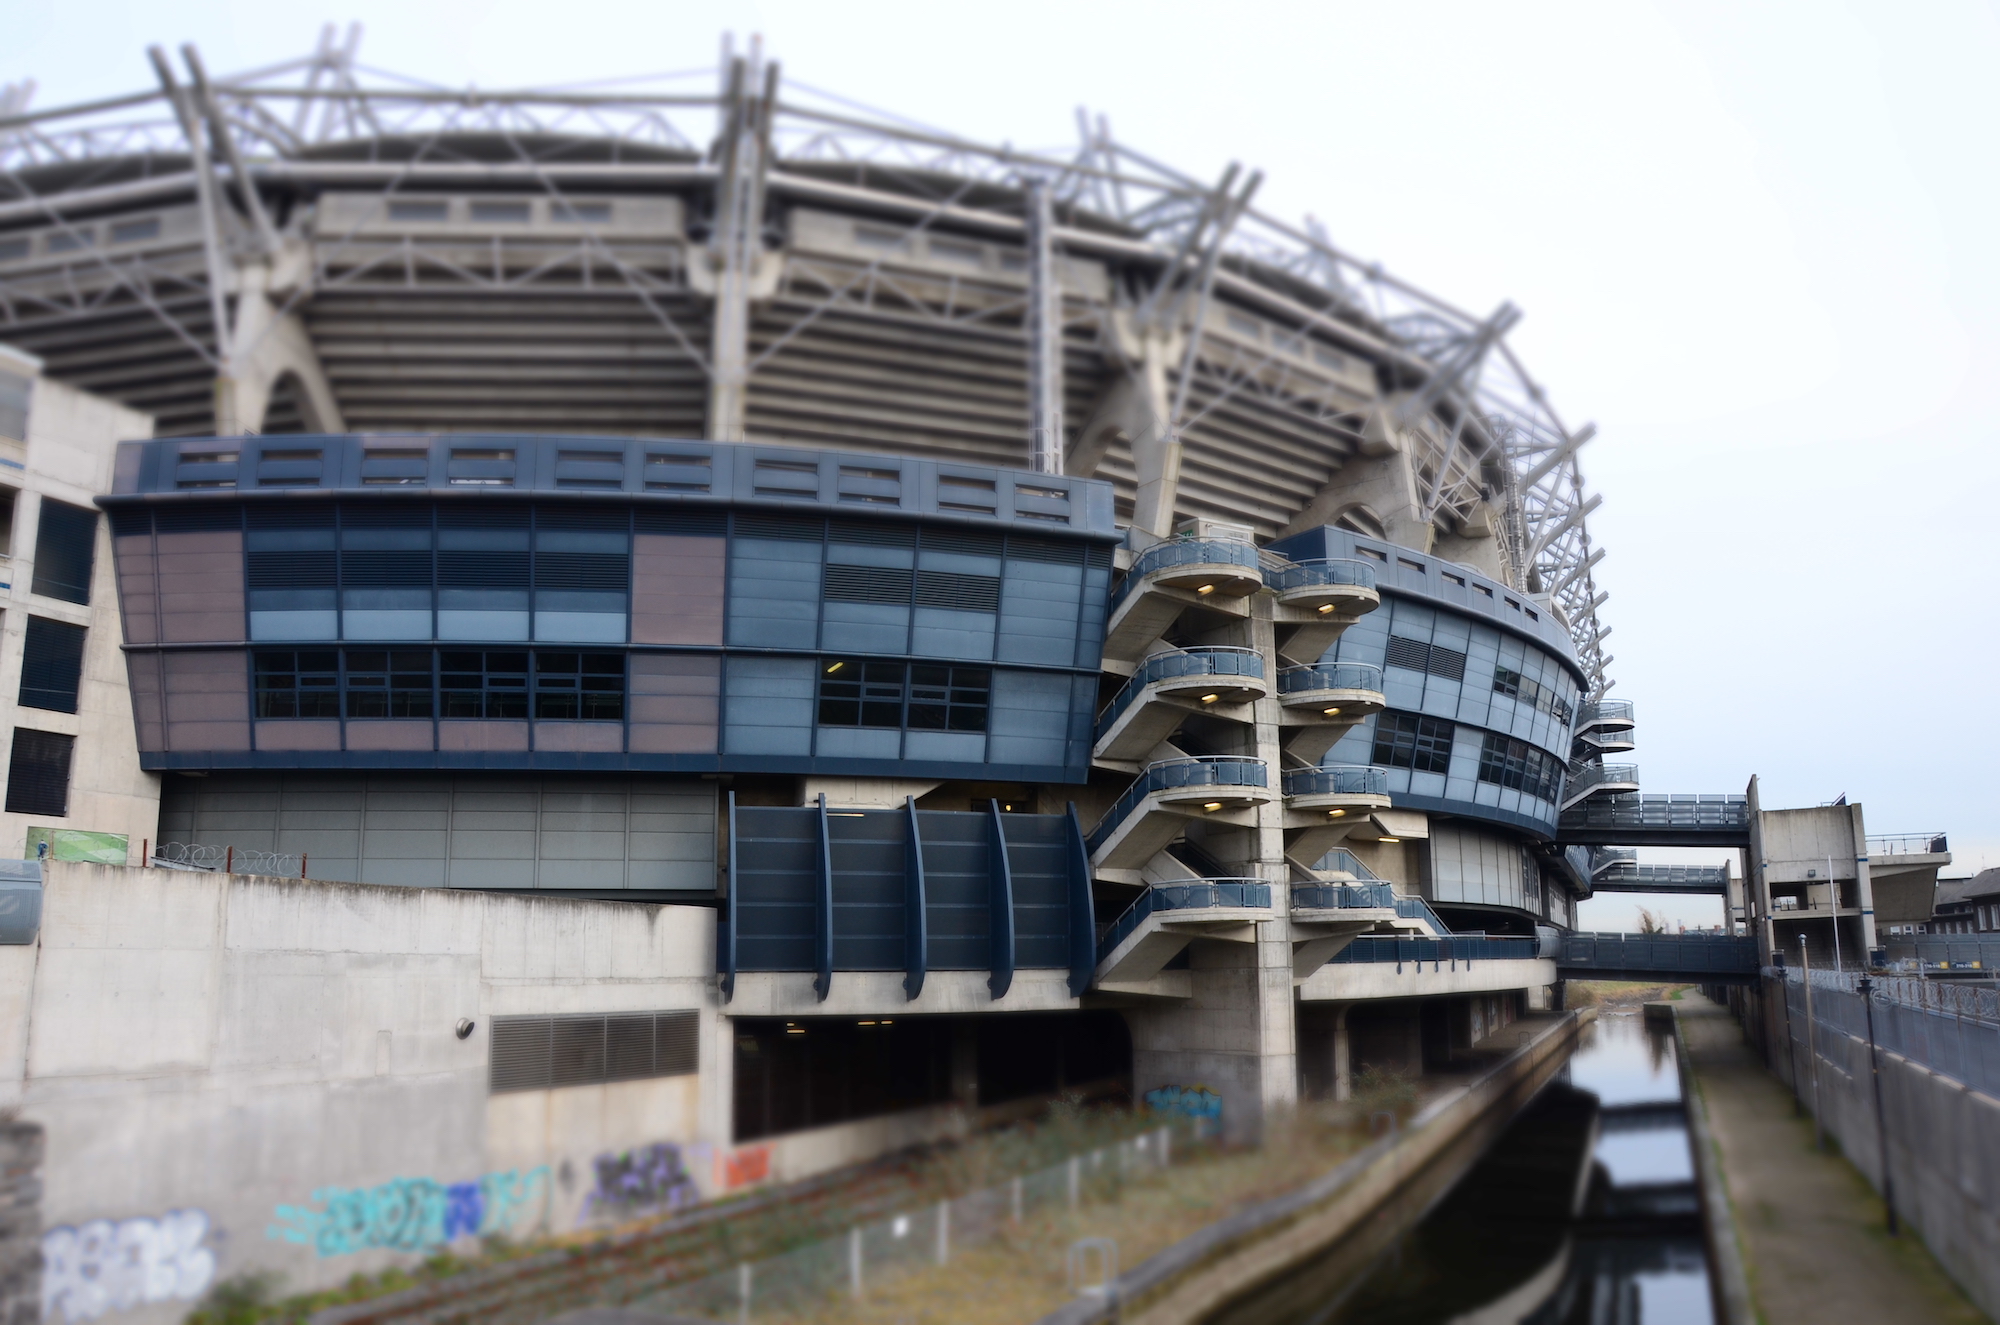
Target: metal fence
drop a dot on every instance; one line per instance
(1186, 552)
(1193, 895)
(1218, 660)
(803, 1281)
(1950, 1027)
(1946, 952)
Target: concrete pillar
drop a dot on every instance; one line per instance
(1343, 1056)
(1864, 886)
(965, 1064)
(1156, 447)
(266, 346)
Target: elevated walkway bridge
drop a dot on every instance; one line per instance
(1696, 958)
(1657, 821)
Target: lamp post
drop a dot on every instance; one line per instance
(1881, 1122)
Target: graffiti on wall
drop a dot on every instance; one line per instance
(411, 1214)
(643, 1181)
(107, 1265)
(1197, 1102)
(741, 1168)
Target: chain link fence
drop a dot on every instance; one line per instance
(802, 1280)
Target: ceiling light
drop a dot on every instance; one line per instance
(1391, 839)
(1330, 712)
(864, 1023)
(795, 1031)
(1206, 588)
(1324, 610)
(1213, 805)
(836, 667)
(1336, 814)
(1210, 699)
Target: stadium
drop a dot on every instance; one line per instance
(971, 581)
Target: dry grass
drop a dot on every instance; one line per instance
(1022, 1274)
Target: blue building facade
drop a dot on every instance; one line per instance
(606, 605)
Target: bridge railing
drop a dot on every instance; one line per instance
(1645, 954)
(1669, 811)
(1466, 948)
(1909, 844)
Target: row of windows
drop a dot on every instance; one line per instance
(1520, 767)
(1412, 741)
(1512, 684)
(918, 696)
(417, 683)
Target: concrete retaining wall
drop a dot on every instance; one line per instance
(239, 1073)
(1944, 1143)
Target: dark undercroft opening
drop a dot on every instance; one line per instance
(792, 1074)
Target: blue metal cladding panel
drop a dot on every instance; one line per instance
(776, 873)
(868, 889)
(1030, 718)
(769, 706)
(774, 591)
(1038, 851)
(1040, 603)
(957, 883)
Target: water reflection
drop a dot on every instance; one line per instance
(1584, 1212)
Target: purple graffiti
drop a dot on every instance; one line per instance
(646, 1180)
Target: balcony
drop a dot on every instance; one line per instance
(1322, 701)
(1169, 916)
(1908, 844)
(1317, 600)
(1595, 780)
(1326, 917)
(1323, 804)
(1169, 578)
(1154, 809)
(1605, 740)
(1604, 715)
(1169, 686)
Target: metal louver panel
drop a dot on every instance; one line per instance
(1447, 663)
(628, 1046)
(968, 593)
(676, 1043)
(385, 568)
(1404, 652)
(867, 584)
(601, 571)
(518, 1054)
(291, 570)
(482, 570)
(577, 1052)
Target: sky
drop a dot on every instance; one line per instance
(1752, 244)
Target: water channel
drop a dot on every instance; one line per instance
(1583, 1212)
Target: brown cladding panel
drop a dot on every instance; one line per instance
(207, 701)
(503, 737)
(676, 704)
(677, 589)
(389, 734)
(148, 718)
(201, 587)
(598, 737)
(298, 734)
(138, 587)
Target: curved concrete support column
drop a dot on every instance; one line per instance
(265, 346)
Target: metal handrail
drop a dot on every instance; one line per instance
(1590, 714)
(1303, 574)
(1168, 774)
(1186, 552)
(1337, 779)
(1330, 676)
(1894, 844)
(1661, 811)
(1209, 660)
(1602, 736)
(1458, 948)
(1416, 908)
(1342, 859)
(1596, 775)
(1192, 895)
(1342, 896)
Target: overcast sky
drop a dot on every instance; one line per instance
(1754, 244)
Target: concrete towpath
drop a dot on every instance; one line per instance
(1810, 1226)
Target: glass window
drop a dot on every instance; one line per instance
(585, 686)
(298, 685)
(1519, 766)
(1405, 740)
(949, 698)
(38, 773)
(484, 685)
(388, 684)
(853, 693)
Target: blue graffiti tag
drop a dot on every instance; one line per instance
(642, 1181)
(409, 1214)
(1196, 1102)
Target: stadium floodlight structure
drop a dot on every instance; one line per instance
(321, 246)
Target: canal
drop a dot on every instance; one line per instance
(1583, 1212)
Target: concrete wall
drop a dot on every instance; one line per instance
(1944, 1143)
(250, 1073)
(67, 455)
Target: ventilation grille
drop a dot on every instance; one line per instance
(605, 572)
(482, 570)
(1419, 657)
(967, 593)
(541, 1053)
(867, 584)
(292, 570)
